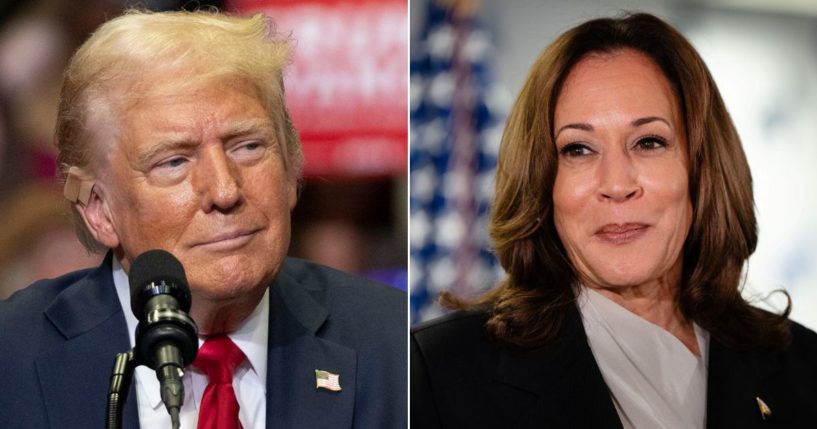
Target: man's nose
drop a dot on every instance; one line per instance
(219, 180)
(619, 178)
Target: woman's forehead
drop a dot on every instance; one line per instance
(624, 82)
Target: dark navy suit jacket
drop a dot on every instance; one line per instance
(461, 379)
(58, 339)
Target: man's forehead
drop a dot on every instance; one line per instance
(166, 130)
(159, 87)
(135, 109)
(202, 94)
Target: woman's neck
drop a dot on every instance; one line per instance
(657, 303)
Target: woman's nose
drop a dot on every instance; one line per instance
(619, 178)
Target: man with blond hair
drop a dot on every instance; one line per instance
(173, 134)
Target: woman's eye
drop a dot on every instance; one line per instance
(575, 150)
(650, 143)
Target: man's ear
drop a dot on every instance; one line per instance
(98, 218)
(293, 189)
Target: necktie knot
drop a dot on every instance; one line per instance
(218, 357)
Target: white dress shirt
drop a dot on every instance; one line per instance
(249, 379)
(654, 380)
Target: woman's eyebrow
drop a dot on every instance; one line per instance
(577, 126)
(635, 123)
(647, 119)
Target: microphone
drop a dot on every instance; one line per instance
(166, 338)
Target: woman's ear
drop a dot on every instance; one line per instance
(98, 218)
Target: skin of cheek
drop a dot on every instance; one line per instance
(138, 204)
(267, 199)
(677, 215)
(568, 217)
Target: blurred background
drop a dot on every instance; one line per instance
(469, 60)
(346, 90)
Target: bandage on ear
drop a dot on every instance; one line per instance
(76, 188)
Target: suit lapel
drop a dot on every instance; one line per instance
(736, 380)
(295, 352)
(74, 376)
(571, 391)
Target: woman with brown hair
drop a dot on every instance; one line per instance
(623, 216)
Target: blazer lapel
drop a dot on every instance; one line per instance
(571, 391)
(295, 352)
(736, 382)
(75, 374)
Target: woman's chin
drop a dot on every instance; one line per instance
(619, 279)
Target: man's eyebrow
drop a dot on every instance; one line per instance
(238, 129)
(166, 145)
(248, 126)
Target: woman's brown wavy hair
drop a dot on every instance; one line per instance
(527, 308)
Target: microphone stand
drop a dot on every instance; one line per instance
(121, 377)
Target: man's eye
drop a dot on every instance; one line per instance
(250, 147)
(575, 150)
(650, 143)
(248, 151)
(172, 163)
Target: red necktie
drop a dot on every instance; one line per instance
(218, 357)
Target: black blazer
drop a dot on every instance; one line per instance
(460, 379)
(58, 339)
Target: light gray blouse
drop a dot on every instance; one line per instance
(654, 380)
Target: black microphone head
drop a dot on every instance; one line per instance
(157, 272)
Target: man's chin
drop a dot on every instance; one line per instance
(220, 308)
(224, 292)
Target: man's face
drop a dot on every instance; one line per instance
(200, 174)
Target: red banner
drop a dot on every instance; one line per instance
(347, 88)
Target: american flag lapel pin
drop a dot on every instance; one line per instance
(327, 380)
(765, 411)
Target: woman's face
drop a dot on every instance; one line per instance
(621, 197)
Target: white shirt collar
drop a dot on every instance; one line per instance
(250, 337)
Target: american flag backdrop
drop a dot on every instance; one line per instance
(457, 114)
